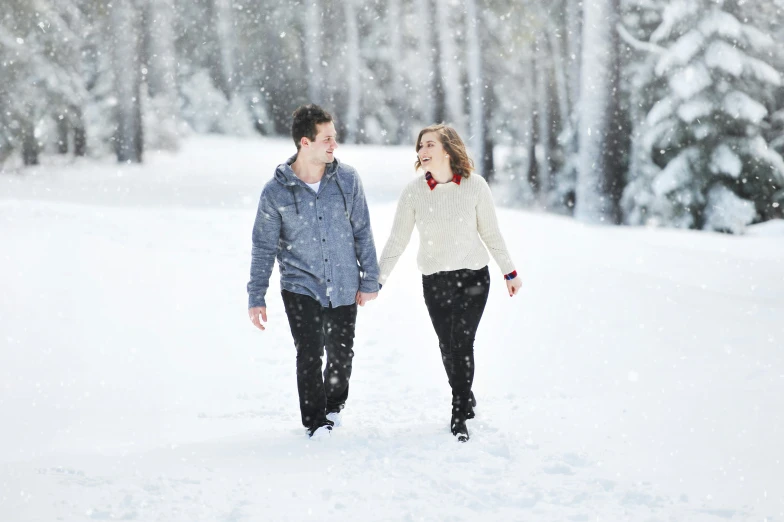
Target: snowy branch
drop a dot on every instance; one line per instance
(54, 18)
(638, 44)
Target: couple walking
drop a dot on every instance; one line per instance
(313, 218)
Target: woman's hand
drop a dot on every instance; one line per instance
(513, 285)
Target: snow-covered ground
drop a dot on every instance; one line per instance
(638, 376)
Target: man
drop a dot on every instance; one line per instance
(313, 217)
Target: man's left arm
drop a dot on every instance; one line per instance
(364, 245)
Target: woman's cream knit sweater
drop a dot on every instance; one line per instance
(453, 221)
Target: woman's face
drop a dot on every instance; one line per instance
(431, 153)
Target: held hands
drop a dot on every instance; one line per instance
(254, 314)
(364, 297)
(513, 286)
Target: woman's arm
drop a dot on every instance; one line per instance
(487, 226)
(402, 226)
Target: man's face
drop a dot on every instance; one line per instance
(322, 149)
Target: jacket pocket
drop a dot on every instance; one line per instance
(293, 223)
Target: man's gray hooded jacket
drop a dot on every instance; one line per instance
(322, 241)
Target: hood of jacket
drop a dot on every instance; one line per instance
(284, 174)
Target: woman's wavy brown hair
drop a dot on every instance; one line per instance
(459, 161)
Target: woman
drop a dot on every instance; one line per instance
(454, 214)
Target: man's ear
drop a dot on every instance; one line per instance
(304, 141)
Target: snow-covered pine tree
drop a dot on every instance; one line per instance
(98, 75)
(6, 100)
(702, 159)
(63, 43)
(13, 64)
(640, 19)
(769, 17)
(41, 83)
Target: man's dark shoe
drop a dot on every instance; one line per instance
(320, 432)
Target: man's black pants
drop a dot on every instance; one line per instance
(456, 300)
(315, 327)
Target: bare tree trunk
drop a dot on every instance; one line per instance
(476, 135)
(62, 133)
(70, 120)
(439, 88)
(80, 133)
(354, 79)
(532, 169)
(544, 122)
(528, 131)
(427, 48)
(449, 68)
(488, 162)
(30, 145)
(311, 47)
(574, 38)
(127, 82)
(559, 75)
(598, 174)
(395, 27)
(75, 18)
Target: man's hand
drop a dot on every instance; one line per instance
(254, 314)
(513, 286)
(364, 297)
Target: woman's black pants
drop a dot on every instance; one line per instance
(456, 300)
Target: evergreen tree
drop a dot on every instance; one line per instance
(42, 88)
(701, 157)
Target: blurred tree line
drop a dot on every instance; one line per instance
(616, 111)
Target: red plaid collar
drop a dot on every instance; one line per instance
(432, 182)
